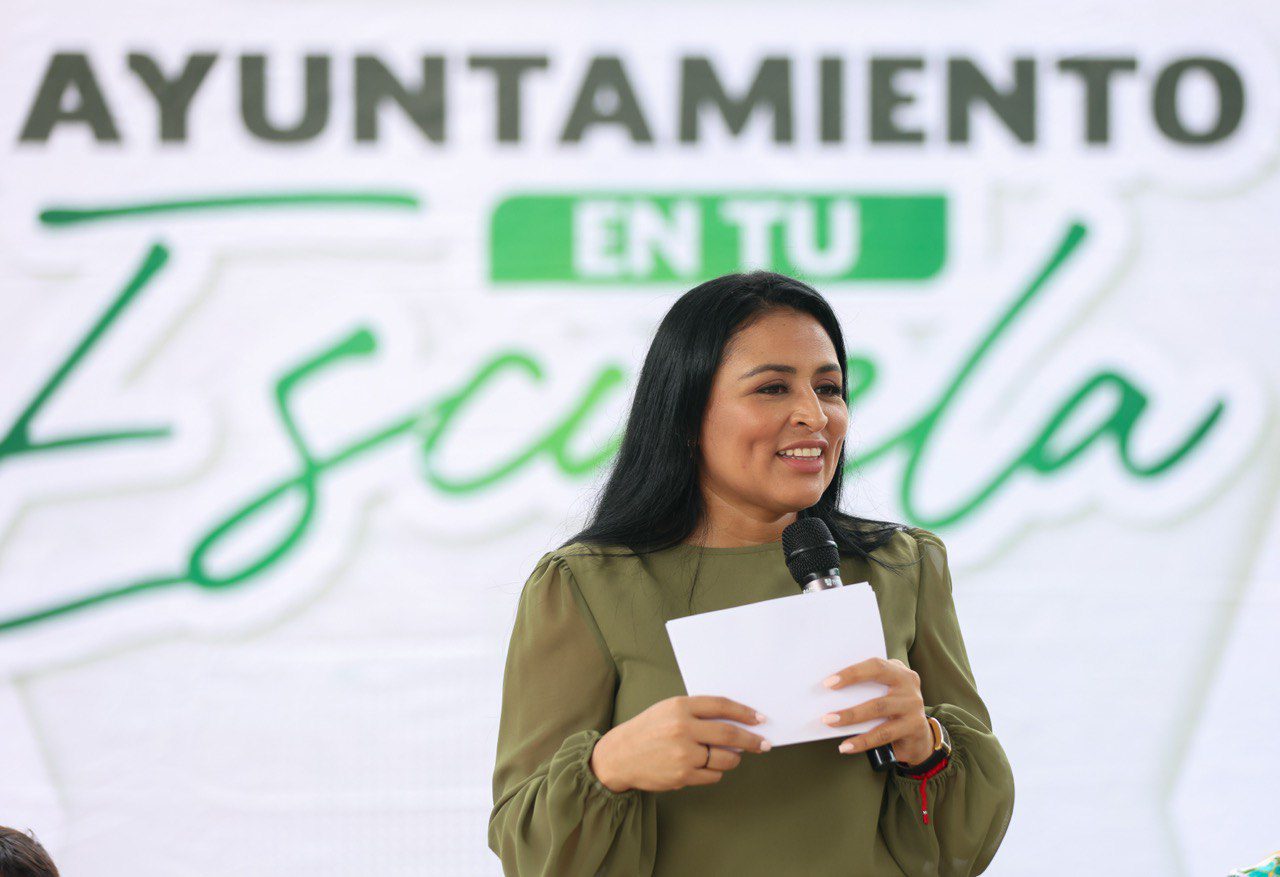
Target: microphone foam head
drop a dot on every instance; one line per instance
(809, 549)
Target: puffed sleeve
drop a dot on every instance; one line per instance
(551, 815)
(970, 801)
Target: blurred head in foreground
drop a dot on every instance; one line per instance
(22, 856)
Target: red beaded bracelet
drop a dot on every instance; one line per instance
(924, 778)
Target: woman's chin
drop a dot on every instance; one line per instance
(798, 501)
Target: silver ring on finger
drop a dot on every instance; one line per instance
(705, 766)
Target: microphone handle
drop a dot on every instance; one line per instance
(882, 757)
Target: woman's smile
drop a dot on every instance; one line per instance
(802, 464)
(807, 456)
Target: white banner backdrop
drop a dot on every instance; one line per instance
(319, 324)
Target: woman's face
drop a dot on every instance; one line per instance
(778, 386)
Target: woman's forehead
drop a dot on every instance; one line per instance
(783, 337)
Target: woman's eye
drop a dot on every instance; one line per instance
(831, 389)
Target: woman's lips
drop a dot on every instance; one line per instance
(802, 464)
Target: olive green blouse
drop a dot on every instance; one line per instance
(589, 651)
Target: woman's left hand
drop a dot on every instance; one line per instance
(906, 726)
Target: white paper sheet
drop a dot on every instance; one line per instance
(774, 654)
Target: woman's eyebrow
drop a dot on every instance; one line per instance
(788, 369)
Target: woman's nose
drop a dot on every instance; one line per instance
(810, 414)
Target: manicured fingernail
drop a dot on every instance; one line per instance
(831, 719)
(831, 681)
(765, 745)
(760, 717)
(846, 747)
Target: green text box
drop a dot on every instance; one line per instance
(634, 237)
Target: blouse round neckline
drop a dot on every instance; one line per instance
(738, 549)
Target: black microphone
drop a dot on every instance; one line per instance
(813, 558)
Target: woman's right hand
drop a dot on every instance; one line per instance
(664, 747)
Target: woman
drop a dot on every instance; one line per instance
(605, 766)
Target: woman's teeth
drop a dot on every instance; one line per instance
(802, 452)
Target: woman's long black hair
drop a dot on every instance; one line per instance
(651, 500)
